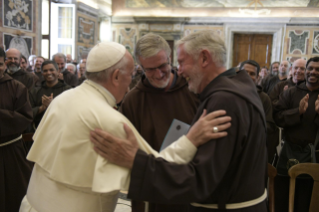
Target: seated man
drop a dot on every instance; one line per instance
(68, 175)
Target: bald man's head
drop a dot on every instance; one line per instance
(284, 68)
(298, 70)
(13, 59)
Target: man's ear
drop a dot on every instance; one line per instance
(115, 77)
(205, 58)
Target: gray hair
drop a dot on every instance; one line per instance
(149, 45)
(71, 64)
(205, 40)
(102, 76)
(59, 55)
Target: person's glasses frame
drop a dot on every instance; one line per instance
(162, 67)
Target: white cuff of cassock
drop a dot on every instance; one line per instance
(181, 151)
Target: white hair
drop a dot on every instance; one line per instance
(198, 41)
(71, 64)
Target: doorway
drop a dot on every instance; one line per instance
(252, 47)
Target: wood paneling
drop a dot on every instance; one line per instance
(252, 47)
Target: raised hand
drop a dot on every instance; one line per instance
(209, 127)
(46, 100)
(303, 105)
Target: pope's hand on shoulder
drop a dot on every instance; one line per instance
(122, 151)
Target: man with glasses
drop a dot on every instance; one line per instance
(298, 75)
(13, 61)
(159, 97)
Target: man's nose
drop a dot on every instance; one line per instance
(159, 72)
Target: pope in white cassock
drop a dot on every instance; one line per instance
(68, 175)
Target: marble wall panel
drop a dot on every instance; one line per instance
(18, 14)
(82, 52)
(86, 30)
(23, 43)
(315, 43)
(18, 23)
(126, 34)
(127, 37)
(300, 42)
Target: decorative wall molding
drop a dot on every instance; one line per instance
(87, 10)
(18, 14)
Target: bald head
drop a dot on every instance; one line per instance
(298, 70)
(13, 59)
(14, 51)
(284, 68)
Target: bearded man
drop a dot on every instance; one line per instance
(14, 70)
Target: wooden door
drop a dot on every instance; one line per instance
(252, 47)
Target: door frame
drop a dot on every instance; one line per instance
(277, 30)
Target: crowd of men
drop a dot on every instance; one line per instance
(225, 170)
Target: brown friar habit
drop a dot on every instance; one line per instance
(15, 116)
(81, 79)
(69, 78)
(270, 82)
(151, 111)
(24, 77)
(300, 130)
(232, 169)
(272, 130)
(36, 97)
(279, 88)
(41, 79)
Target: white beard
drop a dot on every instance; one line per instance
(12, 69)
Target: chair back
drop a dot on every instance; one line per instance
(272, 172)
(311, 169)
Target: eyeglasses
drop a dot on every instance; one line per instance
(162, 67)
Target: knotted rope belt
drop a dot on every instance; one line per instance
(235, 205)
(11, 141)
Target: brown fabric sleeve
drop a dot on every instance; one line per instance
(283, 116)
(18, 119)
